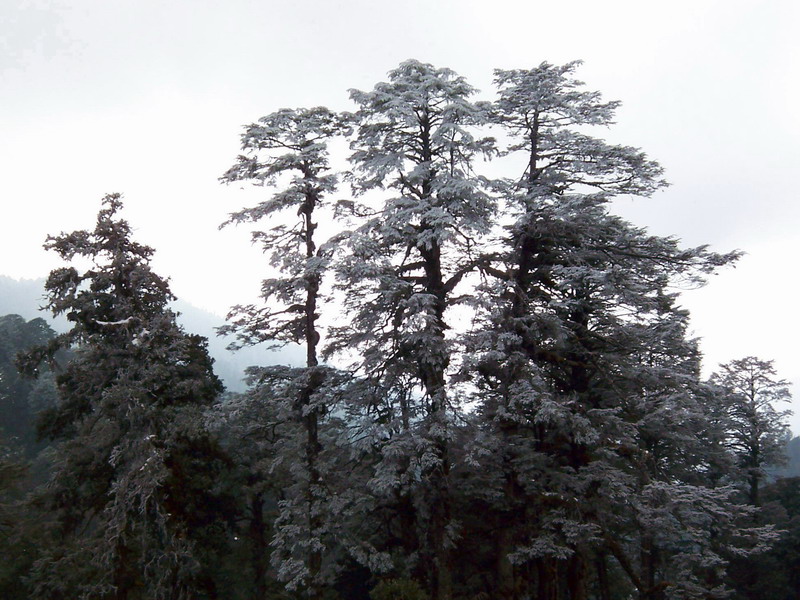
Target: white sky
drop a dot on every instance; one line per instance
(148, 98)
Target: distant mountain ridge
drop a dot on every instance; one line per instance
(25, 297)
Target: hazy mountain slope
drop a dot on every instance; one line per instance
(231, 365)
(24, 297)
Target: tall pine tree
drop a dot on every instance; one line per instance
(131, 500)
(290, 148)
(583, 342)
(406, 260)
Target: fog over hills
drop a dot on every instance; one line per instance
(25, 297)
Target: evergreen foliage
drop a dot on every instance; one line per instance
(756, 427)
(25, 462)
(500, 397)
(290, 147)
(585, 446)
(587, 379)
(21, 398)
(132, 499)
(398, 589)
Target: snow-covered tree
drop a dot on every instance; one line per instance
(290, 148)
(129, 502)
(415, 140)
(584, 366)
(757, 428)
(581, 466)
(521, 416)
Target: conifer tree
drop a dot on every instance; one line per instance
(291, 147)
(406, 260)
(131, 500)
(24, 460)
(584, 449)
(585, 341)
(756, 427)
(522, 415)
(21, 398)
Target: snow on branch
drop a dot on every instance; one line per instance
(122, 322)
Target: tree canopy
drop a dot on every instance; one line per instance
(501, 397)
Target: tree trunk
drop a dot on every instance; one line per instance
(505, 570)
(754, 480)
(513, 518)
(650, 590)
(311, 419)
(433, 364)
(314, 516)
(440, 518)
(121, 573)
(576, 576)
(258, 546)
(603, 584)
(548, 579)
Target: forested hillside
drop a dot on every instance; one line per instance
(497, 395)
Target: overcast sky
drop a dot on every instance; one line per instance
(148, 98)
